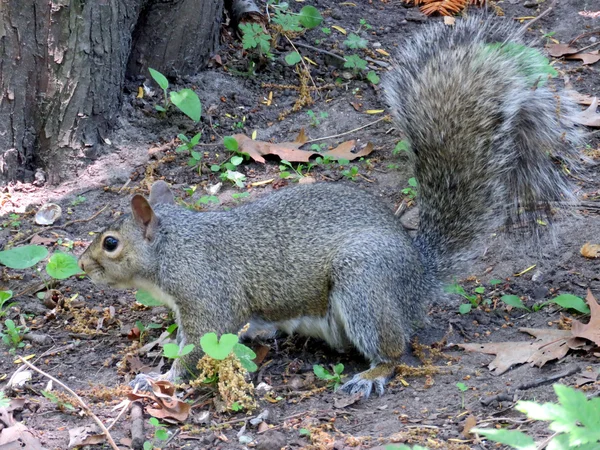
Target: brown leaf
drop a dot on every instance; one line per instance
(589, 117)
(261, 352)
(558, 50)
(549, 344)
(346, 400)
(88, 435)
(587, 58)
(169, 407)
(590, 250)
(19, 437)
(590, 330)
(470, 422)
(39, 240)
(586, 378)
(290, 151)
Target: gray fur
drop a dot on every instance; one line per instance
(332, 261)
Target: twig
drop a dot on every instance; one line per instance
(576, 38)
(319, 50)
(544, 13)
(137, 426)
(546, 441)
(79, 399)
(59, 227)
(508, 396)
(346, 132)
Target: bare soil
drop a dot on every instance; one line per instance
(422, 409)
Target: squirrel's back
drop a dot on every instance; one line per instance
(486, 130)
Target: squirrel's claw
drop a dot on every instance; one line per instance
(364, 386)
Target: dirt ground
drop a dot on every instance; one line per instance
(429, 410)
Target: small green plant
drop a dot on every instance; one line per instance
(465, 308)
(356, 63)
(160, 435)
(14, 221)
(186, 100)
(229, 343)
(206, 199)
(5, 296)
(401, 147)
(188, 144)
(293, 58)
(363, 24)
(145, 329)
(304, 432)
(255, 38)
(324, 160)
(61, 266)
(146, 299)
(326, 31)
(23, 257)
(334, 378)
(288, 170)
(239, 195)
(462, 387)
(411, 190)
(373, 77)
(354, 41)
(319, 148)
(13, 334)
(350, 173)
(575, 419)
(314, 120)
(514, 301)
(172, 351)
(78, 200)
(228, 168)
(60, 404)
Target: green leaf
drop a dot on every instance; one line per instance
(515, 439)
(355, 62)
(321, 372)
(171, 328)
(216, 349)
(326, 30)
(154, 422)
(159, 78)
(161, 434)
(465, 308)
(159, 108)
(215, 167)
(171, 351)
(194, 141)
(246, 356)
(514, 301)
(148, 445)
(188, 102)
(146, 299)
(478, 289)
(338, 368)
(373, 77)
(495, 282)
(4, 296)
(570, 301)
(23, 257)
(288, 22)
(196, 155)
(310, 17)
(230, 143)
(61, 266)
(237, 160)
(354, 41)
(187, 349)
(293, 58)
(413, 182)
(462, 387)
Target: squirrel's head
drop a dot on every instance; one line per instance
(123, 252)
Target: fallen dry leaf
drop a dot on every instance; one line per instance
(346, 400)
(88, 435)
(589, 117)
(590, 330)
(549, 344)
(590, 250)
(587, 57)
(290, 151)
(586, 378)
(558, 50)
(39, 240)
(590, 14)
(169, 407)
(19, 437)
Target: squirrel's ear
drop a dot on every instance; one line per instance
(144, 216)
(160, 193)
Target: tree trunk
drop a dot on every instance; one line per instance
(62, 69)
(175, 37)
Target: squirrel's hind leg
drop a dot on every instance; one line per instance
(376, 377)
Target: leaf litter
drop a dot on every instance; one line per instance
(550, 344)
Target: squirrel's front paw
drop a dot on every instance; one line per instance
(364, 386)
(364, 382)
(141, 381)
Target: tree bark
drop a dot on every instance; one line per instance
(63, 65)
(175, 37)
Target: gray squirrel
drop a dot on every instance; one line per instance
(332, 261)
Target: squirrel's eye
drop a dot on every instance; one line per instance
(110, 243)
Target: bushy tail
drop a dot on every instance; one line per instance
(487, 132)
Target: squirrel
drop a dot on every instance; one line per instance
(332, 261)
